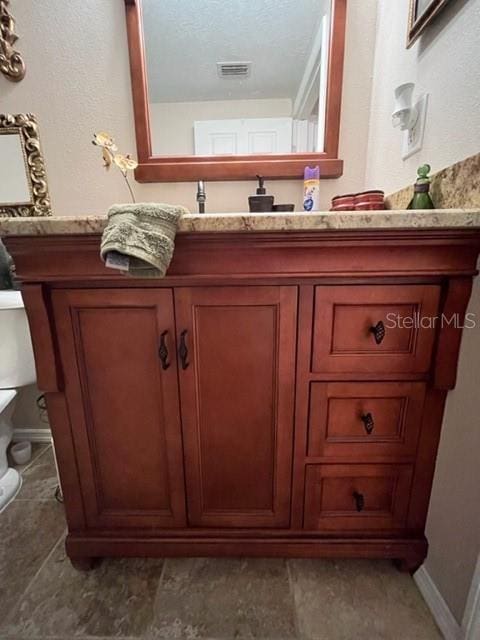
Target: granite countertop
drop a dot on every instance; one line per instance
(228, 222)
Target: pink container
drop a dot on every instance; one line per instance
(369, 201)
(343, 203)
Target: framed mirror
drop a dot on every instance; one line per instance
(229, 90)
(23, 183)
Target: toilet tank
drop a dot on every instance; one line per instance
(17, 366)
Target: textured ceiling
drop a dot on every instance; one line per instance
(184, 39)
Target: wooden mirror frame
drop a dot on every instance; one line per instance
(239, 167)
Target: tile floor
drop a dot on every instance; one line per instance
(42, 596)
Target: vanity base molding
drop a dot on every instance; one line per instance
(408, 554)
(277, 394)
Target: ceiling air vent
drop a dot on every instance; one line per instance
(233, 69)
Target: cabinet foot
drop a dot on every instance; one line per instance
(408, 565)
(84, 564)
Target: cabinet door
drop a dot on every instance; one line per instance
(237, 369)
(123, 404)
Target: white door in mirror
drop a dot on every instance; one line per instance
(243, 136)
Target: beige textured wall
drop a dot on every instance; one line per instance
(443, 64)
(26, 414)
(171, 123)
(78, 82)
(453, 526)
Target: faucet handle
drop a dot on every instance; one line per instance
(201, 190)
(201, 196)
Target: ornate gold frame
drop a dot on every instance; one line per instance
(11, 62)
(25, 124)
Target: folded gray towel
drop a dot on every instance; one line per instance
(144, 234)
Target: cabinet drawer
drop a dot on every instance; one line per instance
(374, 329)
(356, 497)
(361, 419)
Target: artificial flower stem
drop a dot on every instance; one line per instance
(129, 187)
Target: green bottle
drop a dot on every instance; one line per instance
(421, 198)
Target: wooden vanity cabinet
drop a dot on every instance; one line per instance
(261, 400)
(232, 365)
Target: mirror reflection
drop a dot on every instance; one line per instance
(14, 184)
(236, 77)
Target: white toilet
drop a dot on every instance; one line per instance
(17, 369)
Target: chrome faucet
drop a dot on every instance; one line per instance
(201, 196)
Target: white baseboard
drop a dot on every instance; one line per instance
(444, 618)
(33, 435)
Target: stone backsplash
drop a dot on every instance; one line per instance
(456, 187)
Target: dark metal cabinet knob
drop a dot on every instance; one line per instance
(183, 350)
(163, 351)
(359, 501)
(378, 332)
(368, 422)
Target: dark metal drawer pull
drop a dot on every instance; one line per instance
(368, 422)
(378, 332)
(163, 351)
(183, 350)
(359, 500)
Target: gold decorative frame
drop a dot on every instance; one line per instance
(417, 24)
(25, 124)
(11, 62)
